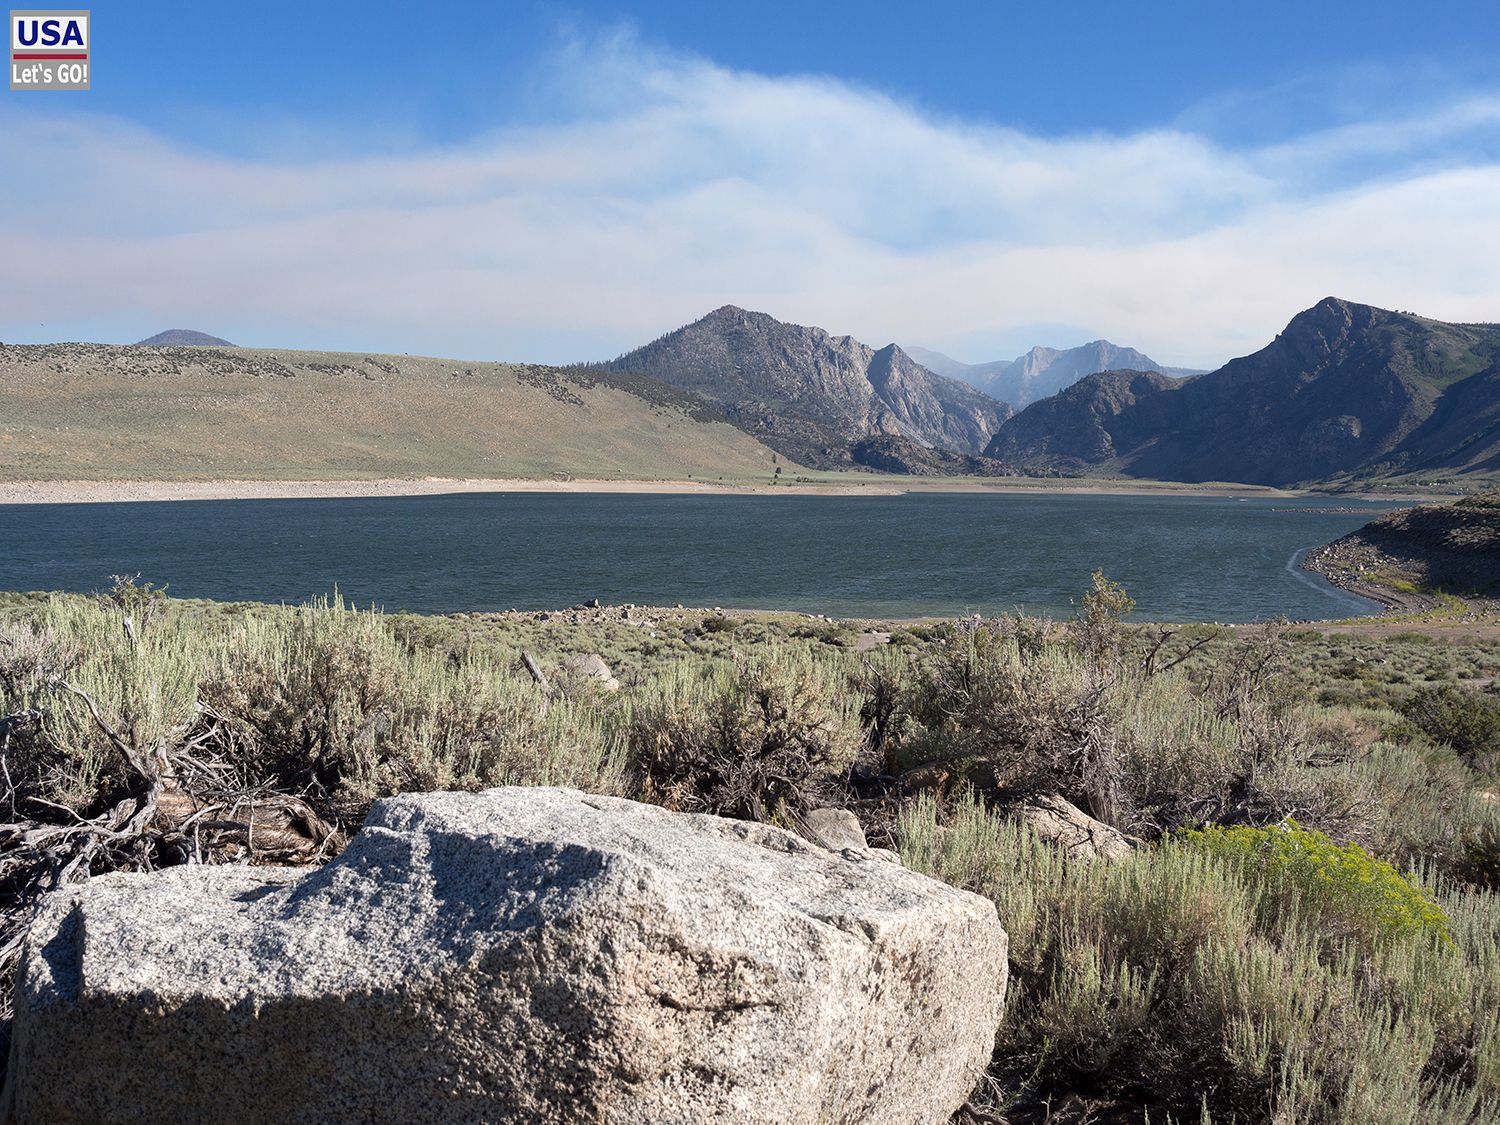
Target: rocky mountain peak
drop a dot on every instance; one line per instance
(1042, 371)
(730, 314)
(1344, 390)
(809, 394)
(1317, 333)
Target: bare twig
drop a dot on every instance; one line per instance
(982, 1115)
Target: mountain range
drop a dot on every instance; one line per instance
(1041, 372)
(1346, 392)
(811, 395)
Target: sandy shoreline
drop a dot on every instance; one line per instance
(95, 492)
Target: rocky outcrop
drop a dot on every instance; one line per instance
(887, 454)
(534, 955)
(1346, 392)
(1408, 559)
(808, 394)
(944, 413)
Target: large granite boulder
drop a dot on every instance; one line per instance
(533, 955)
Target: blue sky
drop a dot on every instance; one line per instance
(561, 181)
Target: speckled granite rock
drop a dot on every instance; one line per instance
(532, 955)
(1070, 828)
(834, 829)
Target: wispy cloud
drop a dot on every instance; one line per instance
(663, 186)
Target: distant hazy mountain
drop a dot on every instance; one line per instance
(183, 338)
(809, 394)
(1346, 391)
(1041, 372)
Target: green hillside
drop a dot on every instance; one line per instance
(1347, 394)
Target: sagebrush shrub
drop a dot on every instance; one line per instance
(759, 739)
(329, 703)
(1463, 718)
(1031, 716)
(1198, 980)
(145, 689)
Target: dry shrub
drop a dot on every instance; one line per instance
(1033, 724)
(327, 703)
(1464, 719)
(1024, 710)
(762, 739)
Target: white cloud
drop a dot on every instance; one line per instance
(672, 186)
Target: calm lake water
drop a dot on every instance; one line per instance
(1184, 558)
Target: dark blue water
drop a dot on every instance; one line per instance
(1184, 558)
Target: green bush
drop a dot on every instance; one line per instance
(1343, 890)
(1480, 862)
(1417, 804)
(1097, 628)
(1464, 719)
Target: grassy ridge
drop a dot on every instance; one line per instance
(95, 412)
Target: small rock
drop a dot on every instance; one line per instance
(834, 829)
(1059, 822)
(591, 666)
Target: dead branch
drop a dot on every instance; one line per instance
(529, 662)
(1182, 656)
(132, 759)
(176, 808)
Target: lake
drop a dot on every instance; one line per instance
(1184, 558)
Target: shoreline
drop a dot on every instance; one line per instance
(133, 491)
